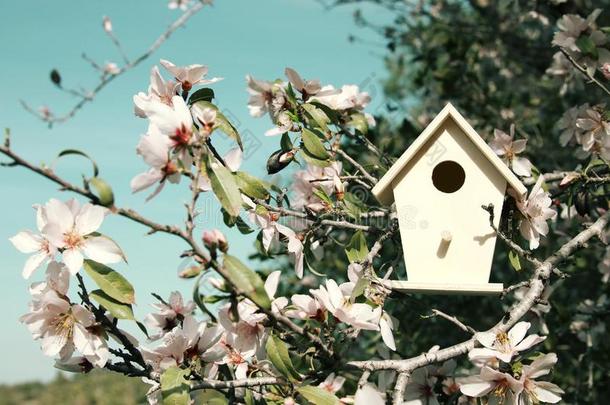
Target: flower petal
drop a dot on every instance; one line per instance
(102, 249)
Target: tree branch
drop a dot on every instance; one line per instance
(107, 79)
(244, 382)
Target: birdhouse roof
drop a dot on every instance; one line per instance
(383, 190)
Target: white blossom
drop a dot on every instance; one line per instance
(337, 302)
(306, 181)
(332, 383)
(368, 394)
(63, 327)
(536, 210)
(306, 307)
(348, 97)
(505, 146)
(38, 244)
(534, 391)
(503, 346)
(189, 76)
(69, 226)
(155, 150)
(595, 132)
(168, 314)
(190, 341)
(265, 96)
(501, 387)
(159, 90)
(271, 229)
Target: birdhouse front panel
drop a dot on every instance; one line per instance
(446, 236)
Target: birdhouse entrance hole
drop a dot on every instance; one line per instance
(448, 176)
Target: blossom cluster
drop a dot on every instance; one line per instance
(67, 231)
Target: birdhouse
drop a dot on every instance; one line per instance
(439, 185)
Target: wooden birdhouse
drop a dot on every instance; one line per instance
(439, 185)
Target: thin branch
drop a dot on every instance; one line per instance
(454, 320)
(303, 215)
(358, 166)
(399, 388)
(526, 254)
(107, 79)
(549, 177)
(134, 354)
(155, 227)
(65, 185)
(244, 382)
(584, 71)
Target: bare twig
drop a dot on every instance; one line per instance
(526, 254)
(454, 320)
(107, 79)
(303, 215)
(358, 166)
(244, 382)
(584, 71)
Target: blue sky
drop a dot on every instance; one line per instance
(233, 38)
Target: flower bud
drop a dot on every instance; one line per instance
(219, 284)
(279, 160)
(605, 69)
(107, 25)
(215, 239)
(191, 271)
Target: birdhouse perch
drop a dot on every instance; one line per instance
(439, 185)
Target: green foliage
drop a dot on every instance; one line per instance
(246, 281)
(318, 396)
(111, 282)
(279, 356)
(118, 309)
(224, 186)
(174, 386)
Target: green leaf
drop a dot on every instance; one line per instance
(513, 258)
(223, 123)
(317, 115)
(318, 396)
(277, 351)
(103, 191)
(321, 194)
(224, 186)
(359, 122)
(587, 46)
(210, 397)
(246, 281)
(174, 386)
(286, 143)
(110, 281)
(67, 152)
(357, 250)
(313, 145)
(312, 160)
(230, 221)
(116, 308)
(251, 186)
(204, 94)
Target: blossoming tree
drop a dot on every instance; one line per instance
(320, 331)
